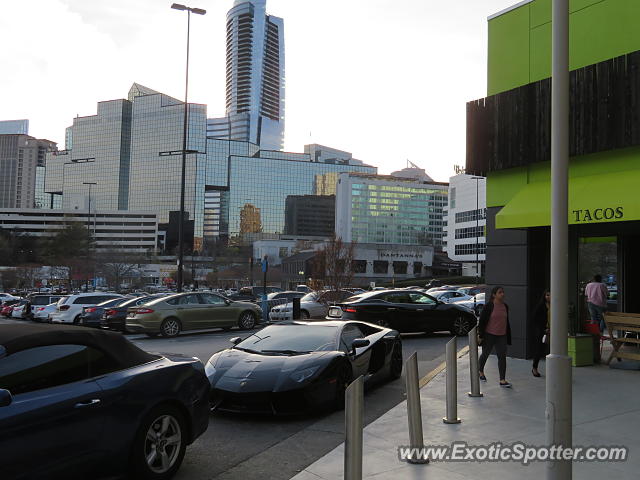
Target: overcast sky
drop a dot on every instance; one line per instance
(384, 79)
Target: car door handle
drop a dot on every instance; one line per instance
(89, 403)
(420, 310)
(391, 308)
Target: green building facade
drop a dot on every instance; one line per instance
(508, 140)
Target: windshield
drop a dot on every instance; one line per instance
(291, 338)
(480, 297)
(310, 297)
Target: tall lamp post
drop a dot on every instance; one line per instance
(89, 221)
(198, 11)
(477, 228)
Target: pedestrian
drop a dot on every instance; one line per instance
(494, 331)
(597, 294)
(541, 322)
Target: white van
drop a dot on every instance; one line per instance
(69, 308)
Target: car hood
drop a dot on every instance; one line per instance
(239, 371)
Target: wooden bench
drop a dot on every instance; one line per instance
(622, 323)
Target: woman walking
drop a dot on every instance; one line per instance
(541, 330)
(494, 331)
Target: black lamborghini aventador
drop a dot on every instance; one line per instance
(296, 367)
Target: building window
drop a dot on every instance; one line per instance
(380, 266)
(471, 215)
(400, 267)
(470, 249)
(417, 267)
(359, 266)
(283, 252)
(470, 232)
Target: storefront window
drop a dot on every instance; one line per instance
(598, 256)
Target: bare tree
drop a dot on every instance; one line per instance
(334, 264)
(27, 275)
(117, 266)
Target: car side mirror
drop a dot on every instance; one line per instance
(5, 398)
(235, 340)
(359, 343)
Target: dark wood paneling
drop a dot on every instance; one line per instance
(513, 128)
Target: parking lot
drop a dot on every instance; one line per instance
(256, 447)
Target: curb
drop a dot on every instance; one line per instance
(433, 373)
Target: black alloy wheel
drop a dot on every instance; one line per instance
(247, 320)
(461, 325)
(397, 362)
(343, 379)
(170, 327)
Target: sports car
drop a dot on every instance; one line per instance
(295, 367)
(406, 311)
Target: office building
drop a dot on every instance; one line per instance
(466, 221)
(310, 215)
(135, 232)
(255, 78)
(20, 158)
(513, 150)
(129, 157)
(14, 127)
(389, 210)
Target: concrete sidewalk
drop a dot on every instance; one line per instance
(606, 411)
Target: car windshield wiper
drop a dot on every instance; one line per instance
(285, 352)
(246, 350)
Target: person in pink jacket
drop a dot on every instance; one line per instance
(597, 294)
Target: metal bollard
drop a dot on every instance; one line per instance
(452, 383)
(473, 363)
(353, 422)
(414, 409)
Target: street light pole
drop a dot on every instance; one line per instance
(198, 11)
(89, 222)
(558, 401)
(477, 229)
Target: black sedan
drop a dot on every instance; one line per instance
(406, 311)
(84, 403)
(91, 316)
(296, 367)
(115, 317)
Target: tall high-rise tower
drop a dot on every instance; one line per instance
(255, 78)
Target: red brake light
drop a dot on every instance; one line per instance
(110, 312)
(90, 309)
(62, 308)
(350, 310)
(144, 310)
(40, 309)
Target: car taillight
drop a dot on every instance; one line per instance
(110, 312)
(90, 309)
(144, 310)
(350, 310)
(62, 308)
(39, 309)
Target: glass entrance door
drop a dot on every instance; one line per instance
(598, 256)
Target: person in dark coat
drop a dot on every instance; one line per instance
(541, 330)
(494, 331)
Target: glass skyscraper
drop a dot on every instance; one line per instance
(131, 152)
(255, 78)
(390, 210)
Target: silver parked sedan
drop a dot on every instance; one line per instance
(312, 305)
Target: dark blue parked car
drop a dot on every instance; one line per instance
(84, 403)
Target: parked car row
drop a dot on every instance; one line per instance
(67, 391)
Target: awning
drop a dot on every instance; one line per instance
(613, 197)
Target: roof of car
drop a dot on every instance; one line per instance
(14, 338)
